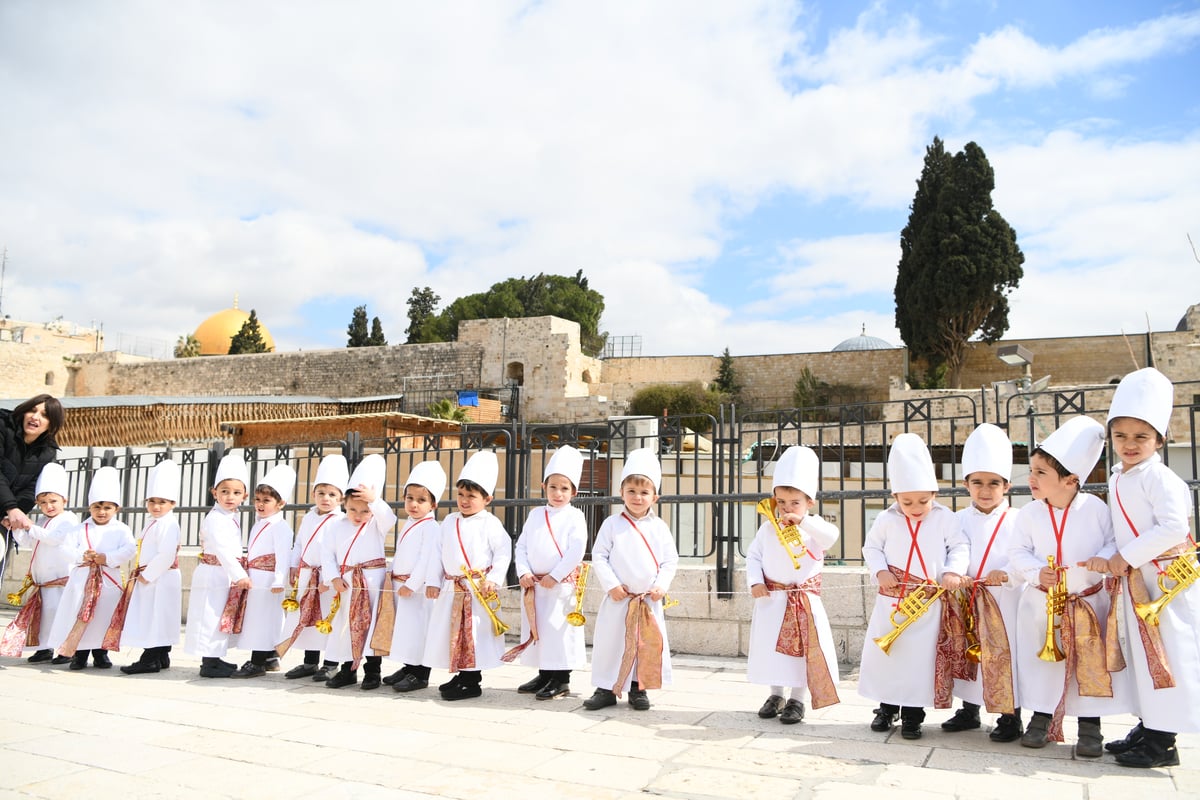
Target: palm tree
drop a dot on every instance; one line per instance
(447, 409)
(187, 346)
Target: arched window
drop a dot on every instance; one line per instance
(514, 374)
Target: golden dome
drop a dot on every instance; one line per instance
(216, 332)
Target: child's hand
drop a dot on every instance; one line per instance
(89, 557)
(1117, 565)
(618, 593)
(1047, 577)
(1095, 564)
(366, 493)
(293, 575)
(657, 593)
(244, 583)
(759, 590)
(432, 592)
(404, 591)
(142, 580)
(276, 590)
(527, 581)
(951, 581)
(547, 582)
(486, 588)
(886, 579)
(791, 518)
(339, 585)
(322, 588)
(996, 577)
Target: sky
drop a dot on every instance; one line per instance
(727, 174)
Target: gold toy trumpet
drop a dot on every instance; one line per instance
(974, 650)
(790, 536)
(576, 617)
(1183, 570)
(290, 603)
(326, 625)
(1056, 603)
(18, 597)
(490, 603)
(913, 606)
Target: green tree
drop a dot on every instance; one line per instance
(448, 410)
(187, 346)
(249, 339)
(357, 331)
(376, 339)
(691, 401)
(959, 260)
(422, 307)
(727, 381)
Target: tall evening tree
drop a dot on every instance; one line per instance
(376, 339)
(727, 381)
(422, 305)
(357, 331)
(959, 260)
(249, 339)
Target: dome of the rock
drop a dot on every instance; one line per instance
(215, 333)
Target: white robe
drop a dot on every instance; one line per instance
(262, 627)
(487, 546)
(620, 557)
(1157, 502)
(155, 607)
(307, 549)
(220, 536)
(552, 542)
(344, 547)
(767, 558)
(979, 529)
(412, 612)
(1088, 532)
(116, 542)
(50, 561)
(904, 675)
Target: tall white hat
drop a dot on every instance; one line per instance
(798, 468)
(163, 481)
(566, 461)
(1146, 395)
(482, 468)
(1077, 444)
(52, 478)
(430, 475)
(333, 471)
(106, 486)
(233, 468)
(988, 449)
(910, 467)
(644, 462)
(282, 479)
(371, 471)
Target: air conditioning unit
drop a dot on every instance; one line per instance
(630, 433)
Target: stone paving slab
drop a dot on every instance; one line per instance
(99, 733)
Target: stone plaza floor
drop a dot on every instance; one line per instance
(101, 734)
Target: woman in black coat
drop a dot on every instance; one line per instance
(26, 445)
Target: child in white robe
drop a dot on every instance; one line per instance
(1150, 506)
(154, 589)
(634, 560)
(471, 547)
(791, 644)
(548, 556)
(424, 488)
(916, 545)
(49, 565)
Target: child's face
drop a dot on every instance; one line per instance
(1133, 440)
(470, 501)
(915, 505)
(326, 497)
(789, 500)
(103, 512)
(159, 507)
(51, 504)
(417, 501)
(1046, 484)
(987, 490)
(639, 496)
(358, 510)
(229, 494)
(266, 504)
(558, 490)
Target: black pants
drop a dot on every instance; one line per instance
(314, 657)
(907, 713)
(560, 675)
(418, 671)
(372, 665)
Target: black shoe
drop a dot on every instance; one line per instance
(410, 683)
(227, 665)
(79, 660)
(100, 660)
(394, 678)
(884, 720)
(321, 675)
(272, 665)
(343, 677)
(534, 685)
(462, 691)
(60, 660)
(965, 719)
(219, 670)
(164, 660)
(250, 670)
(639, 700)
(455, 680)
(771, 708)
(141, 667)
(40, 656)
(553, 690)
(793, 712)
(1037, 733)
(1136, 735)
(1149, 754)
(910, 729)
(371, 681)
(1008, 729)
(601, 698)
(301, 671)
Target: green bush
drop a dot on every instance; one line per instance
(688, 400)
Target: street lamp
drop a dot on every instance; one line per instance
(1016, 355)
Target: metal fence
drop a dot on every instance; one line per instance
(715, 469)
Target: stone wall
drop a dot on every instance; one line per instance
(35, 358)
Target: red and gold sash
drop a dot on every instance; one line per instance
(643, 644)
(528, 602)
(951, 650)
(462, 624)
(798, 638)
(310, 608)
(116, 625)
(360, 607)
(25, 630)
(1085, 659)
